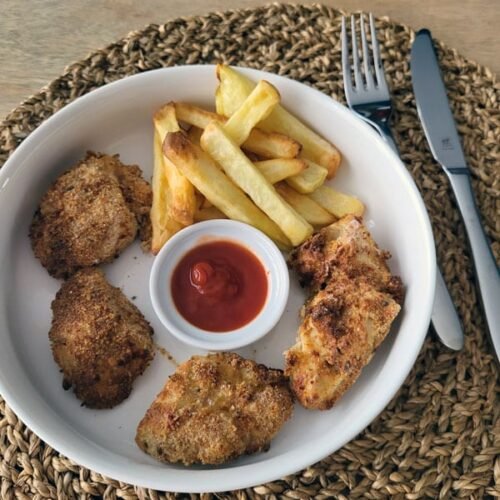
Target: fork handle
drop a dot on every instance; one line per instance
(444, 316)
(386, 134)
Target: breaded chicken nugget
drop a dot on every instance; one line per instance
(345, 245)
(354, 301)
(99, 338)
(215, 408)
(89, 215)
(342, 326)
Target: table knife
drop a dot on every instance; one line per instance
(439, 128)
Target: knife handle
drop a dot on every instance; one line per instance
(488, 279)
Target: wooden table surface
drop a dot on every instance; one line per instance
(38, 38)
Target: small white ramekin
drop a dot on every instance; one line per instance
(213, 230)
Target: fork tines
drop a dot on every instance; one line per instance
(370, 75)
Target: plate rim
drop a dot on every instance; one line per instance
(218, 479)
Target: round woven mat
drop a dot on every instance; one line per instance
(440, 435)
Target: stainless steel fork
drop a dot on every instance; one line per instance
(368, 96)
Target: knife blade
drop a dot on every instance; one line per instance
(441, 133)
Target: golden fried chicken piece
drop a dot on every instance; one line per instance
(347, 246)
(89, 215)
(215, 408)
(355, 300)
(99, 338)
(342, 326)
(136, 191)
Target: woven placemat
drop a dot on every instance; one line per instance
(440, 435)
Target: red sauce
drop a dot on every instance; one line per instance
(219, 286)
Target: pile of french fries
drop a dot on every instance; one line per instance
(251, 161)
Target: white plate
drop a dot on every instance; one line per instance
(117, 119)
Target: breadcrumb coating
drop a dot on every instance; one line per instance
(100, 340)
(215, 408)
(354, 301)
(90, 215)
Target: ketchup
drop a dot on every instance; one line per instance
(219, 286)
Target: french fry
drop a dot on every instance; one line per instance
(245, 175)
(234, 88)
(208, 213)
(337, 203)
(312, 212)
(203, 174)
(280, 168)
(271, 145)
(214, 184)
(310, 179)
(194, 134)
(266, 145)
(163, 226)
(198, 117)
(201, 201)
(182, 203)
(165, 120)
(257, 106)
